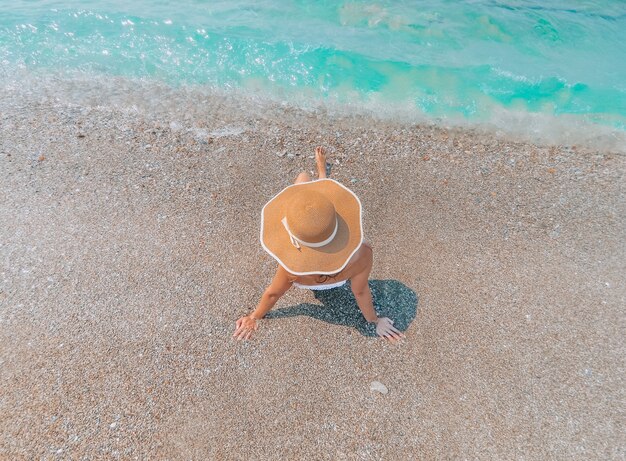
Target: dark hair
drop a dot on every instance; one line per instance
(324, 278)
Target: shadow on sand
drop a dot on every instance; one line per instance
(391, 298)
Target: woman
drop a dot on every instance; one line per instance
(313, 229)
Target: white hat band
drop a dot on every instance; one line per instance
(295, 241)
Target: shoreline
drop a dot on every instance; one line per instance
(130, 246)
(192, 107)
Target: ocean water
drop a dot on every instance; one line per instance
(550, 69)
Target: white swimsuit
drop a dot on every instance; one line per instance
(327, 286)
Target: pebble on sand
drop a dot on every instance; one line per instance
(377, 386)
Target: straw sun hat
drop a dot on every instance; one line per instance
(313, 227)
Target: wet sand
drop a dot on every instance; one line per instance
(129, 247)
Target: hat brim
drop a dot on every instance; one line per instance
(330, 258)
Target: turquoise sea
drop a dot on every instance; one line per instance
(553, 65)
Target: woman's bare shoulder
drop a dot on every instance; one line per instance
(364, 250)
(362, 256)
(283, 274)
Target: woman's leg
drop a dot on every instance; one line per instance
(302, 177)
(320, 160)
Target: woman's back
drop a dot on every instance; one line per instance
(356, 265)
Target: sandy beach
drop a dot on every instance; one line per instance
(129, 247)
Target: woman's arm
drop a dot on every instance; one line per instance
(279, 285)
(360, 286)
(363, 296)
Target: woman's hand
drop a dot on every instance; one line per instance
(385, 329)
(244, 327)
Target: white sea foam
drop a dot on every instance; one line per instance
(186, 107)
